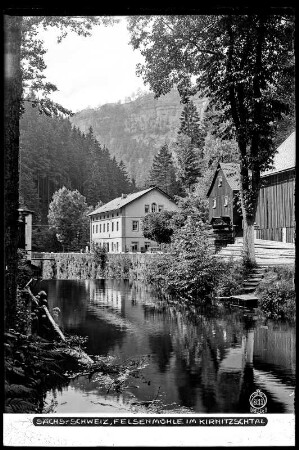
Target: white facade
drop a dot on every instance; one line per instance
(118, 227)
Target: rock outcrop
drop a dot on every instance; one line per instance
(135, 131)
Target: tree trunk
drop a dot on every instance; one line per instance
(248, 239)
(12, 99)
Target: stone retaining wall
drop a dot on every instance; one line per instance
(81, 266)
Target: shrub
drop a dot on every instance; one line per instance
(189, 270)
(156, 269)
(100, 256)
(277, 294)
(231, 278)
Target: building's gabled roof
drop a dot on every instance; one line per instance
(119, 202)
(231, 172)
(285, 158)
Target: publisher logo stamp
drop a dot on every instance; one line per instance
(258, 401)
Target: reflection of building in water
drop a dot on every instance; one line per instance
(208, 363)
(70, 298)
(230, 376)
(99, 295)
(275, 349)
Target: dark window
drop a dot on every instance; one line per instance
(154, 207)
(146, 209)
(135, 225)
(134, 246)
(160, 208)
(112, 226)
(117, 226)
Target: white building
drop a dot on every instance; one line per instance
(117, 224)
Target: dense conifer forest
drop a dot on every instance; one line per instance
(54, 154)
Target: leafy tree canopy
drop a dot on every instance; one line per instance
(68, 217)
(158, 226)
(35, 87)
(244, 65)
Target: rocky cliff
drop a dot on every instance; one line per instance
(136, 130)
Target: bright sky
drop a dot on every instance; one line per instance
(93, 70)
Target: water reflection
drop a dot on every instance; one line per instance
(209, 362)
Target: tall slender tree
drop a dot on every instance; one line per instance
(162, 173)
(189, 146)
(192, 126)
(188, 162)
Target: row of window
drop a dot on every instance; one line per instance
(147, 208)
(153, 208)
(224, 204)
(134, 246)
(113, 246)
(105, 227)
(105, 216)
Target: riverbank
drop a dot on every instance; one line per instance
(84, 266)
(34, 365)
(39, 357)
(276, 292)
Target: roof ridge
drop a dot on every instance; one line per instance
(120, 201)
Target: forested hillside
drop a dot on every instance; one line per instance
(53, 154)
(135, 131)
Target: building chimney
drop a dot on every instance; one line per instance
(123, 195)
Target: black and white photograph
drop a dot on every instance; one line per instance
(149, 227)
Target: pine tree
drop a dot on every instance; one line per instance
(188, 163)
(124, 182)
(191, 125)
(189, 146)
(162, 173)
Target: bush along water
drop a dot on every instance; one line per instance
(277, 295)
(100, 256)
(232, 277)
(189, 269)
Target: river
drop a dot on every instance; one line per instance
(201, 362)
